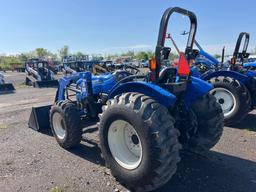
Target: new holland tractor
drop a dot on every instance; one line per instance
(234, 85)
(5, 87)
(143, 120)
(243, 57)
(38, 74)
(71, 66)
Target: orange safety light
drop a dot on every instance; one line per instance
(191, 62)
(153, 64)
(183, 69)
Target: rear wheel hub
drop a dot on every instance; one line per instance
(226, 99)
(125, 144)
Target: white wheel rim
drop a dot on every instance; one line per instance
(125, 144)
(58, 125)
(226, 99)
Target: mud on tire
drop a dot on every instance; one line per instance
(68, 119)
(158, 141)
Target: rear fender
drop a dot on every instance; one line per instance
(249, 65)
(195, 71)
(238, 76)
(251, 73)
(195, 90)
(159, 94)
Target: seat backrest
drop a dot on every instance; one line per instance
(167, 73)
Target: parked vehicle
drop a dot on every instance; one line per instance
(38, 74)
(143, 120)
(143, 63)
(234, 85)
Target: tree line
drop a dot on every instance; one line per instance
(18, 60)
(10, 62)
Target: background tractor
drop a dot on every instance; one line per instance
(234, 85)
(38, 74)
(72, 65)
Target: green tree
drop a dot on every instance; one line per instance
(173, 56)
(23, 57)
(151, 54)
(217, 56)
(9, 62)
(41, 52)
(142, 55)
(64, 51)
(52, 56)
(79, 54)
(129, 54)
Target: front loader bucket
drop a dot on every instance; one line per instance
(6, 88)
(43, 84)
(39, 118)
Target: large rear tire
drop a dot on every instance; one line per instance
(139, 142)
(66, 124)
(209, 127)
(252, 88)
(233, 97)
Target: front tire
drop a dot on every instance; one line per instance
(66, 124)
(233, 97)
(139, 142)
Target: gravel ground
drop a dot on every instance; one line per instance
(33, 161)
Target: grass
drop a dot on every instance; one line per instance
(3, 126)
(22, 85)
(56, 189)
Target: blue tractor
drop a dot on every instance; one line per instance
(234, 85)
(245, 61)
(143, 120)
(72, 65)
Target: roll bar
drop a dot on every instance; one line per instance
(243, 54)
(163, 29)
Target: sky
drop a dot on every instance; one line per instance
(115, 26)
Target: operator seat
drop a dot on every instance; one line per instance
(167, 74)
